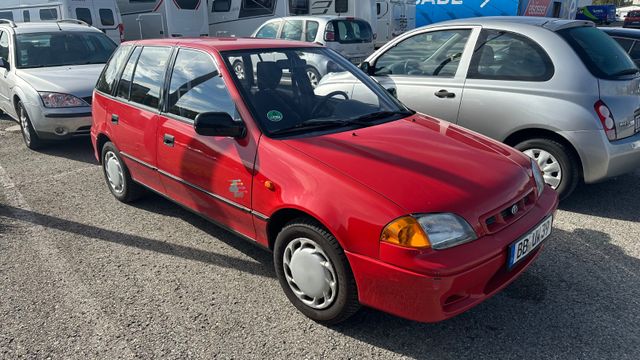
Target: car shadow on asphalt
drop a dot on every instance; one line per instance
(78, 149)
(577, 300)
(9, 213)
(618, 198)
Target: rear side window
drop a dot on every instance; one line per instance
(501, 55)
(108, 77)
(49, 14)
(149, 76)
(196, 87)
(6, 15)
(84, 14)
(601, 54)
(351, 31)
(292, 30)
(106, 17)
(124, 86)
(312, 31)
(269, 31)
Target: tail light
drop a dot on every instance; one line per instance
(329, 33)
(121, 30)
(606, 118)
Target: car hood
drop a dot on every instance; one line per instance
(426, 165)
(78, 80)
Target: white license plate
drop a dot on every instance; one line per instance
(526, 244)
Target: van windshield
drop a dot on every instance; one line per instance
(602, 55)
(62, 49)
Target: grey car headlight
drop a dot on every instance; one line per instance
(446, 230)
(537, 175)
(58, 100)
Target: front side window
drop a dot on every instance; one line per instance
(291, 30)
(106, 17)
(312, 31)
(298, 7)
(124, 86)
(269, 31)
(196, 87)
(250, 8)
(599, 52)
(435, 53)
(501, 55)
(221, 6)
(284, 103)
(108, 77)
(4, 45)
(62, 49)
(8, 15)
(49, 14)
(84, 14)
(149, 76)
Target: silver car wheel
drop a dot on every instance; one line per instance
(114, 173)
(313, 78)
(24, 122)
(310, 273)
(551, 170)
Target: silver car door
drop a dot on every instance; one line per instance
(427, 69)
(6, 78)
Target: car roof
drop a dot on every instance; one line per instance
(552, 24)
(46, 26)
(617, 31)
(315, 17)
(225, 43)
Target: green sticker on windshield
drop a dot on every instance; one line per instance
(274, 115)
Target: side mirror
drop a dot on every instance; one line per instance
(4, 64)
(367, 68)
(219, 124)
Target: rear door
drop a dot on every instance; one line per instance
(427, 69)
(211, 175)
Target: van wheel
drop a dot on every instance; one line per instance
(314, 76)
(117, 175)
(29, 135)
(558, 163)
(314, 272)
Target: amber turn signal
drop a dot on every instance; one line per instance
(405, 231)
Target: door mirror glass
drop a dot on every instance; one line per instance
(366, 67)
(4, 64)
(219, 124)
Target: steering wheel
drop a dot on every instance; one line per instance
(326, 98)
(410, 65)
(444, 63)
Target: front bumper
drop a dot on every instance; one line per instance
(414, 293)
(60, 124)
(603, 159)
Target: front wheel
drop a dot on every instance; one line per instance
(29, 135)
(314, 272)
(559, 165)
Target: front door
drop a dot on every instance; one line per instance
(6, 76)
(211, 175)
(427, 70)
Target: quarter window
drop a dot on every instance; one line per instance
(84, 14)
(312, 31)
(109, 74)
(269, 31)
(149, 76)
(435, 53)
(124, 86)
(221, 6)
(196, 87)
(501, 55)
(49, 14)
(106, 17)
(292, 30)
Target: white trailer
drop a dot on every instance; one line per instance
(394, 18)
(153, 19)
(101, 14)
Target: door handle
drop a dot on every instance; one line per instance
(168, 140)
(114, 118)
(444, 94)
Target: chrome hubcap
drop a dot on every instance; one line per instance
(551, 170)
(309, 273)
(313, 78)
(24, 122)
(113, 170)
(239, 69)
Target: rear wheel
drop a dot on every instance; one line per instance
(29, 135)
(117, 175)
(559, 165)
(314, 76)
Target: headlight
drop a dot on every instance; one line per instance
(57, 100)
(438, 231)
(537, 175)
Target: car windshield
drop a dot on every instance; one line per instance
(62, 48)
(296, 91)
(602, 55)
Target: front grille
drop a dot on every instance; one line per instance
(505, 215)
(88, 99)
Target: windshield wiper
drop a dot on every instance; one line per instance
(626, 72)
(379, 115)
(312, 124)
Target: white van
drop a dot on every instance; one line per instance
(153, 19)
(101, 14)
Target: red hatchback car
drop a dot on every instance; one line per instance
(361, 200)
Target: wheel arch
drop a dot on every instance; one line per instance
(283, 216)
(100, 141)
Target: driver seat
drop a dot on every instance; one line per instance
(268, 98)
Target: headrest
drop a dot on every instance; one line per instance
(487, 56)
(268, 74)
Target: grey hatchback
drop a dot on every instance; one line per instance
(561, 91)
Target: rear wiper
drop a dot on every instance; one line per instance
(626, 72)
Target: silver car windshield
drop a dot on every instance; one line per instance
(62, 48)
(285, 90)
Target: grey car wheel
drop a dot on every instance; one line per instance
(314, 76)
(29, 135)
(549, 165)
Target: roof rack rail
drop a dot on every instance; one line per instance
(7, 21)
(73, 21)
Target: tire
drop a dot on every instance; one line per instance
(314, 76)
(343, 299)
(568, 163)
(117, 176)
(31, 139)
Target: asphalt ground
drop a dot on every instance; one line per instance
(83, 276)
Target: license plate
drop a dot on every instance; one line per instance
(526, 244)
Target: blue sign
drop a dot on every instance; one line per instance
(431, 11)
